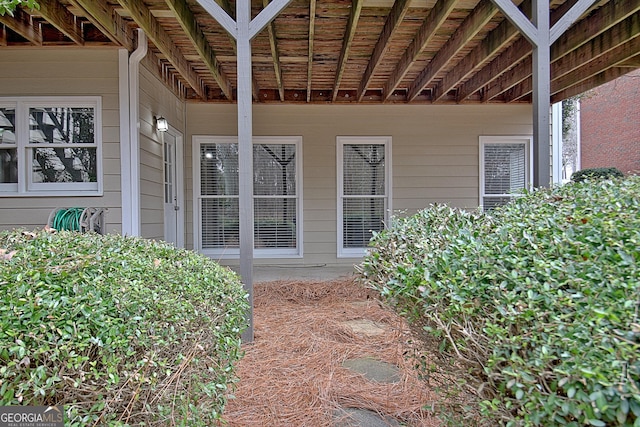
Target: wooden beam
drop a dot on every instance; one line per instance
(470, 27)
(519, 19)
(275, 54)
(104, 17)
(60, 17)
(312, 27)
(266, 15)
(22, 24)
(596, 50)
(585, 30)
(354, 16)
(520, 49)
(3, 35)
(226, 7)
(391, 24)
(194, 32)
(616, 56)
(436, 17)
(490, 45)
(569, 18)
(143, 17)
(606, 76)
(156, 67)
(221, 15)
(506, 81)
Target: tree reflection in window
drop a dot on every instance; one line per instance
(63, 145)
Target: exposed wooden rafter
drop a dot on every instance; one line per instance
(275, 55)
(477, 19)
(600, 21)
(22, 24)
(60, 17)
(192, 29)
(391, 24)
(599, 79)
(495, 41)
(312, 29)
(436, 17)
(354, 16)
(359, 51)
(519, 50)
(226, 6)
(616, 45)
(143, 17)
(104, 17)
(616, 56)
(161, 71)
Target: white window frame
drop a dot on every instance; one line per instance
(234, 253)
(25, 187)
(526, 140)
(341, 141)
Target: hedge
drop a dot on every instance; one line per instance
(119, 330)
(540, 299)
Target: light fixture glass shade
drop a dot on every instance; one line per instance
(161, 124)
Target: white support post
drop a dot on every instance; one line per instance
(243, 30)
(245, 153)
(541, 37)
(541, 95)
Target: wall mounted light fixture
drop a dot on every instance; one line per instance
(161, 124)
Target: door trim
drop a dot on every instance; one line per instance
(179, 184)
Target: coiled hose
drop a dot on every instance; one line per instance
(67, 219)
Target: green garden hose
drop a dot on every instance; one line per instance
(68, 219)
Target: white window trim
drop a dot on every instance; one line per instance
(485, 140)
(234, 253)
(25, 187)
(343, 252)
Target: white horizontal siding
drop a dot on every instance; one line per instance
(155, 100)
(66, 72)
(434, 154)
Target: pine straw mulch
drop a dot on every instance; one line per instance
(292, 374)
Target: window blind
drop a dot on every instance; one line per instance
(364, 193)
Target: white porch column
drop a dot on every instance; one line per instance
(245, 152)
(243, 30)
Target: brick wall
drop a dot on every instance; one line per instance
(610, 125)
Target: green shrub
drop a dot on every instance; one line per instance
(596, 173)
(540, 299)
(121, 331)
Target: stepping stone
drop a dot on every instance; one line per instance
(354, 417)
(365, 327)
(374, 370)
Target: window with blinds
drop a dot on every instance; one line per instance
(276, 195)
(363, 184)
(505, 169)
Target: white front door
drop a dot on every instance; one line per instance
(173, 197)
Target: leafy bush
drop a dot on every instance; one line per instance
(540, 299)
(596, 173)
(121, 331)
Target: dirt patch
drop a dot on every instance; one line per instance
(292, 375)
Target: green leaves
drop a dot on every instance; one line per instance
(543, 294)
(88, 318)
(9, 6)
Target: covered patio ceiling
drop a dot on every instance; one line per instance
(347, 51)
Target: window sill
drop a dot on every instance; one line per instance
(52, 194)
